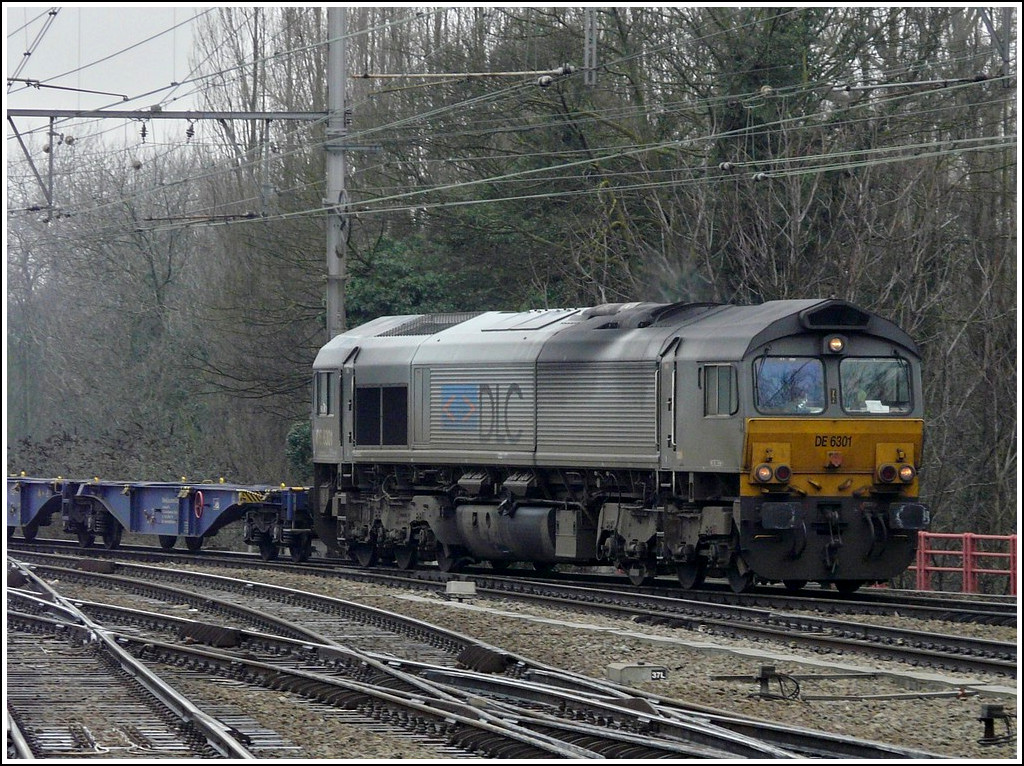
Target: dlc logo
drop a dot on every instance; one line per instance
(460, 407)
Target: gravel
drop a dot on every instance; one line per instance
(699, 667)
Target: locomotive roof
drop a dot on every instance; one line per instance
(731, 331)
(610, 331)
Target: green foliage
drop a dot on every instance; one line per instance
(409, 276)
(299, 451)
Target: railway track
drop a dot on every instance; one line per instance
(951, 607)
(384, 688)
(73, 692)
(918, 647)
(612, 721)
(947, 607)
(384, 702)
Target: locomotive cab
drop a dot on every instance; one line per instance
(810, 471)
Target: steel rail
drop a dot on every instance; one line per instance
(781, 737)
(217, 735)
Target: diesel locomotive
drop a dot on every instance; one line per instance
(778, 442)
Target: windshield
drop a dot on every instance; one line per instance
(789, 385)
(875, 385)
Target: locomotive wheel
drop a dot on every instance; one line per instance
(194, 543)
(740, 583)
(792, 586)
(301, 549)
(112, 534)
(406, 556)
(86, 539)
(638, 572)
(846, 587)
(448, 560)
(691, 574)
(365, 554)
(167, 541)
(268, 548)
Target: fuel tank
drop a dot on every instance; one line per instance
(521, 533)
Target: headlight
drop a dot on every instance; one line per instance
(907, 473)
(887, 473)
(783, 472)
(763, 473)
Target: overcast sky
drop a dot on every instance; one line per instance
(118, 50)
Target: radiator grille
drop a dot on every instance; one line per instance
(611, 409)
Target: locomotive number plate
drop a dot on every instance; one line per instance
(833, 440)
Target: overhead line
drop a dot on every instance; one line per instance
(159, 114)
(151, 115)
(613, 153)
(722, 177)
(35, 43)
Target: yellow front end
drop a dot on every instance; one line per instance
(830, 500)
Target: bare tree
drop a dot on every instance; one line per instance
(725, 154)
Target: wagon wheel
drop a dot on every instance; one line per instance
(112, 534)
(365, 554)
(406, 556)
(167, 541)
(301, 549)
(501, 566)
(194, 543)
(691, 574)
(739, 582)
(544, 567)
(268, 548)
(846, 587)
(10, 532)
(86, 539)
(29, 531)
(792, 586)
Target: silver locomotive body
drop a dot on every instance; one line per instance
(627, 435)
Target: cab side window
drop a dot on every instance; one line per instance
(720, 397)
(323, 394)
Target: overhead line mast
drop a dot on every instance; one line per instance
(336, 198)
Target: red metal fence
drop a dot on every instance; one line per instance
(967, 562)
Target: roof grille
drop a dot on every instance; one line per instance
(428, 324)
